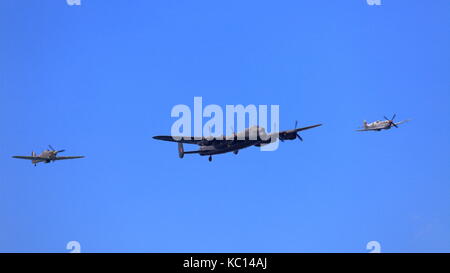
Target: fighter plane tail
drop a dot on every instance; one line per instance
(33, 154)
(180, 150)
(365, 124)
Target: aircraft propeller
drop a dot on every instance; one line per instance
(297, 134)
(54, 150)
(391, 121)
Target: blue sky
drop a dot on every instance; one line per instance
(100, 80)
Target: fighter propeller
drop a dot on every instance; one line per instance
(391, 121)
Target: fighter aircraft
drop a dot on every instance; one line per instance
(213, 145)
(47, 156)
(381, 124)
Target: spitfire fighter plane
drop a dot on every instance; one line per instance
(47, 156)
(381, 124)
(212, 146)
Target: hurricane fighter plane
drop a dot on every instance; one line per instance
(209, 146)
(47, 156)
(381, 124)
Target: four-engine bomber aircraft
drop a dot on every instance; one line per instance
(212, 146)
(47, 156)
(381, 124)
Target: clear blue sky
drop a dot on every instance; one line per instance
(100, 80)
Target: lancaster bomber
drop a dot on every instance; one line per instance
(381, 124)
(212, 146)
(47, 156)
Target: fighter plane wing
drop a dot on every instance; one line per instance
(27, 157)
(67, 157)
(401, 122)
(179, 139)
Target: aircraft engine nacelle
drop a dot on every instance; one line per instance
(288, 136)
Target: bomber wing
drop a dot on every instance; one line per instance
(293, 131)
(188, 140)
(301, 129)
(179, 139)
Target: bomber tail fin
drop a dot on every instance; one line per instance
(180, 150)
